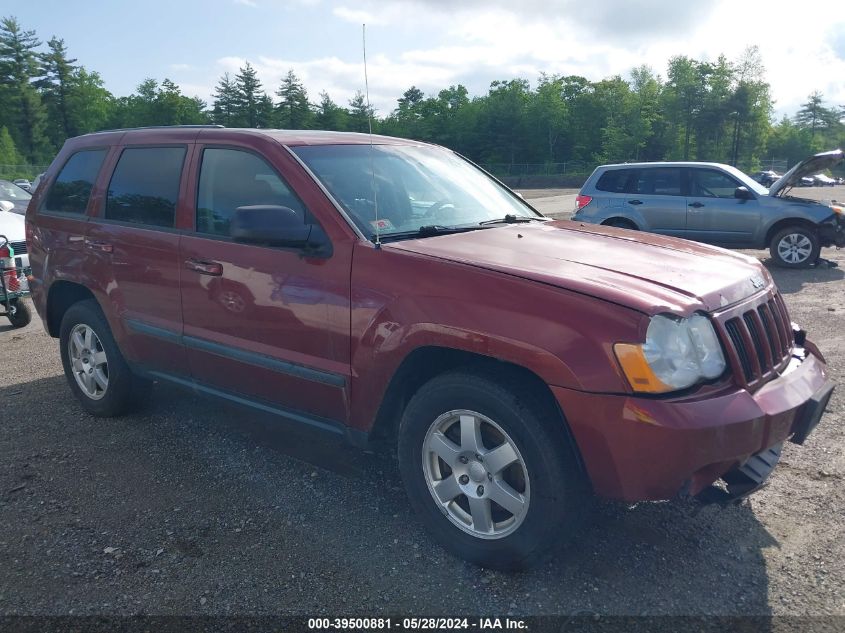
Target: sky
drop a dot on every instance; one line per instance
(436, 43)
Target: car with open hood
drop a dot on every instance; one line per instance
(717, 204)
(390, 292)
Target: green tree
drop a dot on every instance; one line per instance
(8, 153)
(24, 113)
(89, 104)
(224, 109)
(505, 119)
(684, 93)
(329, 115)
(293, 110)
(360, 113)
(55, 87)
(250, 106)
(814, 116)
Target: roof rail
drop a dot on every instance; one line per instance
(158, 127)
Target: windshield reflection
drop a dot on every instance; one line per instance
(399, 188)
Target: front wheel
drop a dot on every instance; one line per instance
(18, 313)
(795, 247)
(489, 470)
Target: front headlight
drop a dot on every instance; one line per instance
(677, 354)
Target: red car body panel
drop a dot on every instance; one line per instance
(324, 336)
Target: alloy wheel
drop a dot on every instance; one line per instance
(795, 248)
(88, 361)
(476, 474)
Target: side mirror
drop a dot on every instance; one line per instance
(742, 193)
(5, 205)
(273, 225)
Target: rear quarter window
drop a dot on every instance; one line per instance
(72, 188)
(145, 186)
(613, 180)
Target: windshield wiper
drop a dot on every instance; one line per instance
(425, 231)
(513, 219)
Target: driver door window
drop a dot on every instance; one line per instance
(709, 183)
(231, 178)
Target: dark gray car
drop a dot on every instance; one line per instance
(717, 204)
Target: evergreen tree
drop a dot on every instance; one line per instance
(294, 111)
(59, 71)
(8, 152)
(19, 67)
(248, 98)
(814, 116)
(225, 101)
(360, 113)
(329, 115)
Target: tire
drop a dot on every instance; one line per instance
(620, 223)
(545, 476)
(18, 313)
(795, 247)
(110, 388)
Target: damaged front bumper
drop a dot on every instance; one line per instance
(638, 448)
(748, 477)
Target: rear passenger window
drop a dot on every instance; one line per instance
(70, 192)
(664, 181)
(231, 178)
(613, 180)
(145, 186)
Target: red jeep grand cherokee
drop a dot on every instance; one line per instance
(389, 288)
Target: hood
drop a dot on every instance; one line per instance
(806, 167)
(644, 271)
(13, 226)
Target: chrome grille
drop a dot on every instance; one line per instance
(757, 339)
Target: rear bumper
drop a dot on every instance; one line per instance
(637, 449)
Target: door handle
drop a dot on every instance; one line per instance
(696, 205)
(204, 268)
(96, 245)
(635, 202)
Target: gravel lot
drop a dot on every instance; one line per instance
(189, 508)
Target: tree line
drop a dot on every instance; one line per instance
(701, 110)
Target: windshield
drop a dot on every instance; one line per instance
(746, 180)
(11, 192)
(410, 187)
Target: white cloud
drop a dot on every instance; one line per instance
(435, 43)
(180, 67)
(357, 16)
(247, 3)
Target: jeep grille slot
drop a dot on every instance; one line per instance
(757, 340)
(739, 348)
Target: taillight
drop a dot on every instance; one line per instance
(582, 201)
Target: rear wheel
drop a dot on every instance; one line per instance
(94, 367)
(489, 475)
(795, 247)
(18, 313)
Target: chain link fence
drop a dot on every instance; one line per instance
(11, 172)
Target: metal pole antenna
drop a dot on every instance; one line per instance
(370, 124)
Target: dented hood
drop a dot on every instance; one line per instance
(807, 167)
(644, 271)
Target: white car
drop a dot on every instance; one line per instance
(13, 226)
(820, 180)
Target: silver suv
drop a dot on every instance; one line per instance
(717, 204)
